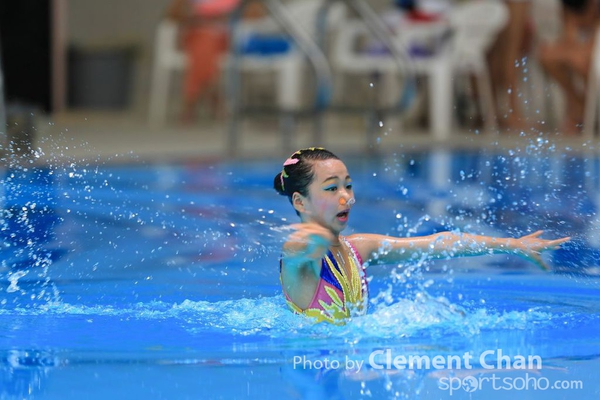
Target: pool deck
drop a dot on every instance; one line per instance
(119, 137)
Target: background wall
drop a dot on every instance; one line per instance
(106, 24)
(25, 52)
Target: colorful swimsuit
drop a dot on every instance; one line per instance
(338, 296)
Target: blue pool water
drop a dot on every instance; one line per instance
(160, 281)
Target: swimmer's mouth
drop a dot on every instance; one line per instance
(343, 214)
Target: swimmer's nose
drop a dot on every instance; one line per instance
(348, 202)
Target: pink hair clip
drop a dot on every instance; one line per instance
(291, 161)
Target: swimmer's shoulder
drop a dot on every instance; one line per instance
(366, 244)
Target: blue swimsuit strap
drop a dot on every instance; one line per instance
(326, 273)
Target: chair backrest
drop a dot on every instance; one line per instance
(476, 24)
(304, 12)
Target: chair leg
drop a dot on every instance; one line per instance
(594, 128)
(287, 126)
(289, 83)
(289, 88)
(158, 96)
(591, 107)
(440, 98)
(165, 59)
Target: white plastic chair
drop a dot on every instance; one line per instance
(345, 59)
(473, 27)
(287, 67)
(168, 58)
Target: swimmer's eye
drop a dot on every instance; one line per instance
(332, 188)
(349, 186)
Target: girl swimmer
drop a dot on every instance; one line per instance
(322, 272)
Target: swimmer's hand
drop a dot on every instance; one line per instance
(308, 242)
(531, 247)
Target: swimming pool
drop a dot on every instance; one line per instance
(160, 281)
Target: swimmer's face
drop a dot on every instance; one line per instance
(328, 201)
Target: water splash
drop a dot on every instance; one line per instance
(270, 317)
(13, 278)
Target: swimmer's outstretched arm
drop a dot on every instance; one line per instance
(387, 249)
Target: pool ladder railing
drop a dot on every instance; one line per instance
(314, 50)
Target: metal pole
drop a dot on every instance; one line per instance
(305, 43)
(378, 28)
(315, 55)
(232, 83)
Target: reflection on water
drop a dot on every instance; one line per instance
(23, 372)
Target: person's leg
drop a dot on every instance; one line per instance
(496, 64)
(557, 61)
(512, 62)
(217, 105)
(204, 48)
(578, 59)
